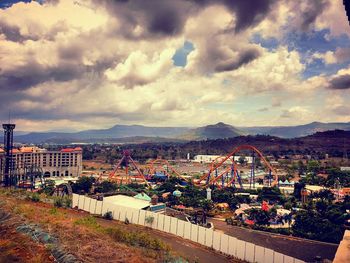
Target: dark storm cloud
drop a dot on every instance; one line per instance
(342, 54)
(158, 17)
(168, 17)
(244, 58)
(33, 74)
(309, 14)
(340, 82)
(12, 33)
(249, 12)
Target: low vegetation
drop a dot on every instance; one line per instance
(122, 243)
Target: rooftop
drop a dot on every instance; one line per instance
(127, 201)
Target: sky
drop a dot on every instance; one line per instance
(82, 64)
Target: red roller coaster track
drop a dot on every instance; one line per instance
(159, 163)
(216, 164)
(125, 161)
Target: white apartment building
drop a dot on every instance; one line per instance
(64, 162)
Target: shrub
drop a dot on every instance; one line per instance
(49, 187)
(67, 201)
(35, 197)
(58, 201)
(149, 220)
(84, 184)
(134, 238)
(108, 215)
(88, 221)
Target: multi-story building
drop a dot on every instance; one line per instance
(64, 162)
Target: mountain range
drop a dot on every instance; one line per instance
(140, 133)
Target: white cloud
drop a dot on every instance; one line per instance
(85, 71)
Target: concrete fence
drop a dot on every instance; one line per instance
(208, 237)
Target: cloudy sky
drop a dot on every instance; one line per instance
(73, 65)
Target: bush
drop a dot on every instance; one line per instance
(49, 187)
(58, 201)
(67, 201)
(134, 238)
(84, 184)
(105, 187)
(35, 197)
(88, 221)
(108, 215)
(149, 220)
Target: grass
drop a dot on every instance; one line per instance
(133, 238)
(87, 229)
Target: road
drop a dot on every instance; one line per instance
(303, 249)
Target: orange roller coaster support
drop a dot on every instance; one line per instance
(215, 165)
(126, 160)
(159, 163)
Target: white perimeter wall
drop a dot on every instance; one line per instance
(208, 237)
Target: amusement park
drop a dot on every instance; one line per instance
(234, 193)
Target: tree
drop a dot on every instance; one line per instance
(106, 186)
(207, 205)
(297, 190)
(241, 160)
(49, 187)
(309, 224)
(84, 183)
(313, 168)
(259, 216)
(325, 195)
(272, 194)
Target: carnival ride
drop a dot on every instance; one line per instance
(124, 163)
(223, 171)
(229, 175)
(161, 166)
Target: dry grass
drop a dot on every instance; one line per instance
(83, 237)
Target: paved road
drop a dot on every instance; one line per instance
(305, 250)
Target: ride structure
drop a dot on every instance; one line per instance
(124, 163)
(31, 177)
(160, 165)
(8, 178)
(229, 175)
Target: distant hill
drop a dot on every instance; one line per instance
(100, 135)
(296, 131)
(134, 133)
(216, 131)
(332, 142)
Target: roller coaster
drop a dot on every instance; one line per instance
(124, 163)
(162, 166)
(229, 175)
(223, 171)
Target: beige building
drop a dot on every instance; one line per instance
(64, 162)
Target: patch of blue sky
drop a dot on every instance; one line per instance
(180, 57)
(318, 67)
(268, 43)
(8, 3)
(316, 42)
